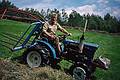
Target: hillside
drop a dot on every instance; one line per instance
(14, 71)
(109, 46)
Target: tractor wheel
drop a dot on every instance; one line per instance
(79, 73)
(37, 57)
(33, 58)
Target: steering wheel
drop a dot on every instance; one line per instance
(63, 37)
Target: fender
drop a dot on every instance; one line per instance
(48, 46)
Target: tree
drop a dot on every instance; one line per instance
(48, 14)
(64, 17)
(34, 12)
(107, 16)
(43, 13)
(95, 22)
(111, 23)
(75, 19)
(6, 4)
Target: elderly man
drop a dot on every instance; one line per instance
(49, 29)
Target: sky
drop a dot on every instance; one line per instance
(97, 7)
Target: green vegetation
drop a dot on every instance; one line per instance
(107, 23)
(13, 27)
(109, 46)
(4, 4)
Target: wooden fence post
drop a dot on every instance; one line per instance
(3, 13)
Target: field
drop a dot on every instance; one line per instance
(109, 45)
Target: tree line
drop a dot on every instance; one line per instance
(74, 19)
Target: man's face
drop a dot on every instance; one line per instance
(54, 18)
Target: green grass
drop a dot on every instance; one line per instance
(12, 27)
(109, 45)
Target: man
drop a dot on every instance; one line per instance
(49, 29)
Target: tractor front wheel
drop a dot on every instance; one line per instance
(79, 73)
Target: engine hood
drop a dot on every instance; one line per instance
(77, 42)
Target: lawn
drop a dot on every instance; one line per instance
(109, 45)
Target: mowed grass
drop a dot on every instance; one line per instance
(109, 46)
(12, 27)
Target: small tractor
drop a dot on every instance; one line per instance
(78, 56)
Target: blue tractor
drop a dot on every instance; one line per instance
(40, 51)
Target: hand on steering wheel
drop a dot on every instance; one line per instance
(52, 37)
(69, 34)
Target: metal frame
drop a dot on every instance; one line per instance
(37, 27)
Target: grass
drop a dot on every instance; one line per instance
(12, 27)
(109, 45)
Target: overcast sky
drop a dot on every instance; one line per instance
(98, 7)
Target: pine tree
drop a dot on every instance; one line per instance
(6, 4)
(64, 17)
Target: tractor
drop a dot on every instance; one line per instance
(40, 51)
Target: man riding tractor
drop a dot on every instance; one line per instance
(49, 29)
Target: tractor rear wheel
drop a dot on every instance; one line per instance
(33, 58)
(37, 57)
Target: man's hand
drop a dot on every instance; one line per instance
(70, 34)
(52, 37)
